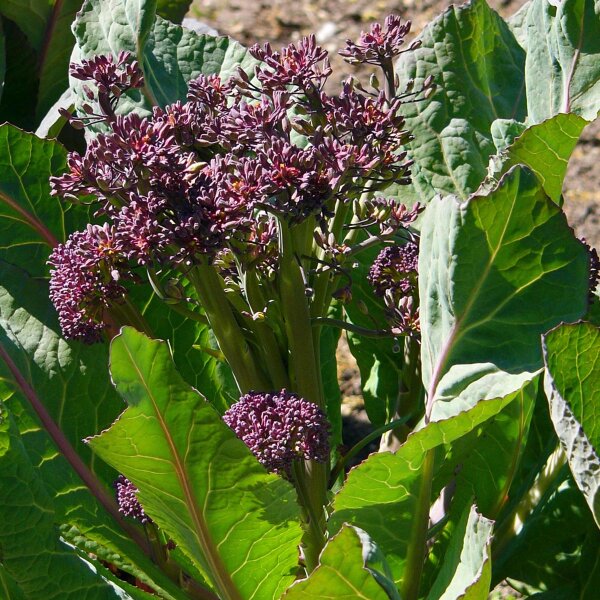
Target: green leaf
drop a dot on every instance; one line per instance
(478, 67)
(562, 69)
(31, 221)
(343, 572)
(72, 381)
(55, 55)
(30, 16)
(2, 58)
(381, 494)
(466, 569)
(495, 273)
(378, 359)
(572, 382)
(330, 337)
(556, 552)
(173, 10)
(484, 463)
(545, 148)
(169, 54)
(20, 79)
(202, 486)
(41, 564)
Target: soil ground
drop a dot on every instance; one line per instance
(333, 21)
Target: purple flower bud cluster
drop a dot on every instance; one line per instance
(393, 276)
(379, 44)
(189, 183)
(112, 78)
(279, 428)
(129, 505)
(85, 280)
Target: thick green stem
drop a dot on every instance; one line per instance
(417, 548)
(305, 377)
(231, 340)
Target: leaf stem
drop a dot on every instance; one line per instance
(372, 333)
(417, 548)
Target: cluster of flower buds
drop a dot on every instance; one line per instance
(112, 78)
(129, 505)
(393, 276)
(85, 279)
(279, 428)
(209, 177)
(380, 44)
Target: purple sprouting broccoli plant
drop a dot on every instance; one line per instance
(280, 428)
(247, 220)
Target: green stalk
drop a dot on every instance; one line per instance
(231, 340)
(269, 348)
(417, 547)
(305, 377)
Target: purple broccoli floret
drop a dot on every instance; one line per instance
(280, 427)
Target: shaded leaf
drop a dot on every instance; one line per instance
(55, 55)
(466, 569)
(41, 564)
(343, 572)
(173, 10)
(20, 80)
(572, 382)
(556, 552)
(202, 486)
(30, 16)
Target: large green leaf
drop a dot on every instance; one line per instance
(466, 570)
(495, 273)
(572, 382)
(344, 572)
(478, 67)
(37, 560)
(202, 486)
(31, 221)
(545, 148)
(72, 382)
(562, 69)
(381, 494)
(169, 54)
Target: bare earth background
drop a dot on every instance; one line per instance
(333, 21)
